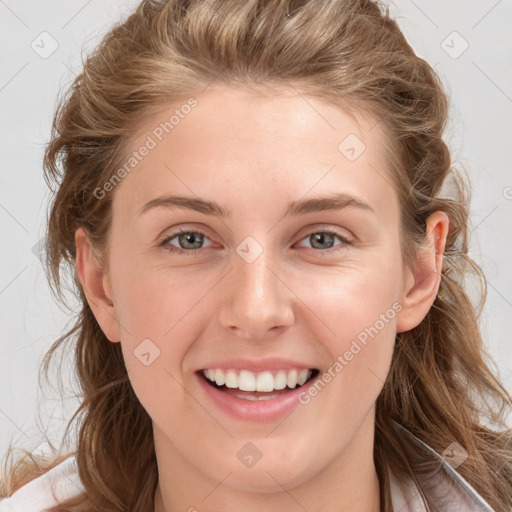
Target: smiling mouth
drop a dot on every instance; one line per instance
(257, 386)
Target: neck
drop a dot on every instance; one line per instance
(348, 483)
(287, 501)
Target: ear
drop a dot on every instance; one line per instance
(96, 285)
(422, 282)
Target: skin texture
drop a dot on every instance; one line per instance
(299, 299)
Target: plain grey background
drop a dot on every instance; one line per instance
(468, 43)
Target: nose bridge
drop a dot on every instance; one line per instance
(257, 300)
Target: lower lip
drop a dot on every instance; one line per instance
(254, 410)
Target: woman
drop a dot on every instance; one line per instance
(229, 360)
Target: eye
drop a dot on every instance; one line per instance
(319, 239)
(189, 242)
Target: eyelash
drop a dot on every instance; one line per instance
(175, 250)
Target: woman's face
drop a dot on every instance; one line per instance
(294, 269)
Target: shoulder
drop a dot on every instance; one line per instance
(47, 490)
(447, 489)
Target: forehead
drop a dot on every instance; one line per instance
(233, 140)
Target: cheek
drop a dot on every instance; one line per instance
(355, 319)
(348, 300)
(152, 300)
(158, 317)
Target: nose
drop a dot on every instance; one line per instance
(257, 300)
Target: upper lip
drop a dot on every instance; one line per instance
(257, 365)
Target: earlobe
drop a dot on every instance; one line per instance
(96, 286)
(422, 282)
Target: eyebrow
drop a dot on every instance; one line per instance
(302, 207)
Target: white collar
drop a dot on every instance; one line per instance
(447, 489)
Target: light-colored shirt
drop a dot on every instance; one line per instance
(447, 489)
(37, 496)
(450, 492)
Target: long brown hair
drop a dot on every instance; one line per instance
(349, 53)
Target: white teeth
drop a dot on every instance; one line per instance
(302, 377)
(291, 379)
(256, 398)
(266, 381)
(217, 376)
(246, 381)
(280, 380)
(231, 379)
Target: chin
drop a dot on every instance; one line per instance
(268, 481)
(273, 471)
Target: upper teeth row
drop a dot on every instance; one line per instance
(264, 381)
